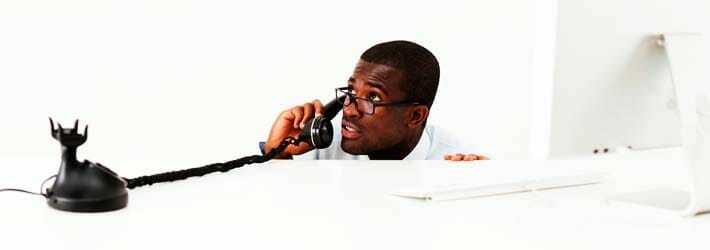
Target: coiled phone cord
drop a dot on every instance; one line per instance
(211, 168)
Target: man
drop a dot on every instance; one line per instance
(385, 110)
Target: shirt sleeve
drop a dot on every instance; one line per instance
(261, 147)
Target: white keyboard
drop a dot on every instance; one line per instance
(446, 181)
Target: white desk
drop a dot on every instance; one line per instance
(346, 205)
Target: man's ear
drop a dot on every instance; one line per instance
(417, 116)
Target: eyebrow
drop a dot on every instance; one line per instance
(377, 86)
(371, 84)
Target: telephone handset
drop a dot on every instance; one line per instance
(91, 187)
(318, 131)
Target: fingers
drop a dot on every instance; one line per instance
(462, 157)
(455, 157)
(297, 113)
(470, 157)
(458, 157)
(318, 106)
(301, 114)
(307, 114)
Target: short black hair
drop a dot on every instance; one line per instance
(419, 65)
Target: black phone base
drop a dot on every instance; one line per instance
(88, 205)
(83, 186)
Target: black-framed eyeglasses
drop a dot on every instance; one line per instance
(345, 96)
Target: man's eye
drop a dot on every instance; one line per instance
(374, 97)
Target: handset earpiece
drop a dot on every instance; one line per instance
(318, 131)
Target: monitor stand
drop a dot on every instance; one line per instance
(685, 55)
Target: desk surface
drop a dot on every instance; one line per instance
(346, 205)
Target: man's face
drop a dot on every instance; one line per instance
(385, 128)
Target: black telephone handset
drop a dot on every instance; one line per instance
(318, 131)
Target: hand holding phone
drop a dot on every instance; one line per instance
(309, 122)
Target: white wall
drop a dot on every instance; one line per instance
(202, 81)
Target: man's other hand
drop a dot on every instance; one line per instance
(463, 157)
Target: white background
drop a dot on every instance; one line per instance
(202, 81)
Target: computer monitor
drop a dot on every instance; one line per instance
(612, 84)
(627, 74)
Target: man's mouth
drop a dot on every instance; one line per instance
(350, 131)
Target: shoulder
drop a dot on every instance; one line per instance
(443, 141)
(441, 137)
